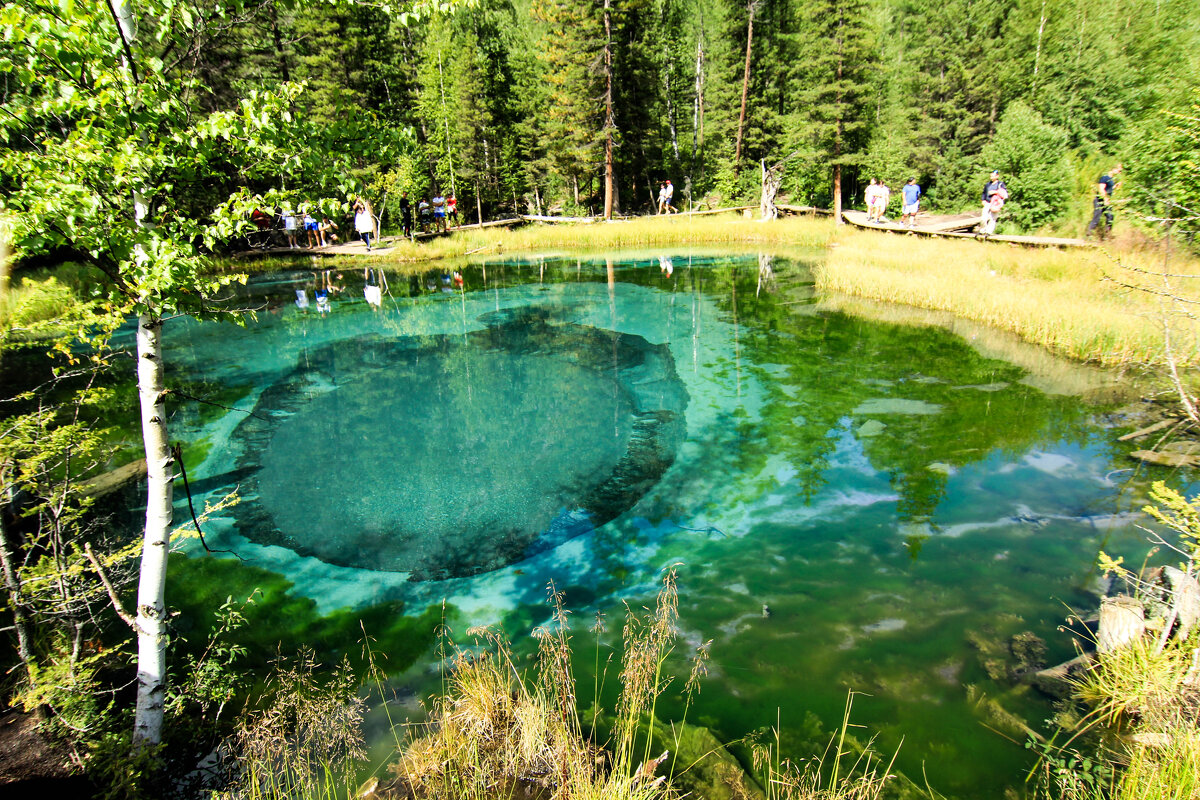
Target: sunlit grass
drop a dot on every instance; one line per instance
(1146, 698)
(720, 229)
(716, 231)
(1069, 301)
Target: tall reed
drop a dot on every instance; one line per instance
(498, 729)
(843, 772)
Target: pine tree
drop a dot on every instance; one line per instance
(835, 95)
(571, 122)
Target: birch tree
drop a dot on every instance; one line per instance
(101, 140)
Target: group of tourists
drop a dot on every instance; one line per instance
(432, 214)
(292, 226)
(298, 229)
(665, 194)
(993, 198)
(879, 194)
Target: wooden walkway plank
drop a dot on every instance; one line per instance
(928, 227)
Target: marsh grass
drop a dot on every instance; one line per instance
(842, 772)
(500, 731)
(626, 234)
(610, 239)
(1077, 303)
(307, 741)
(1145, 709)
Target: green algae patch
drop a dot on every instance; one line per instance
(279, 621)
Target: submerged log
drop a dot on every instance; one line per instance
(109, 482)
(1122, 622)
(1059, 681)
(1158, 426)
(1165, 459)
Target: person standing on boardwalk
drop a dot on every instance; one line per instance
(871, 196)
(452, 210)
(364, 222)
(1102, 203)
(883, 197)
(994, 195)
(406, 214)
(912, 203)
(439, 212)
(290, 224)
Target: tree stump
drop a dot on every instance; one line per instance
(1122, 621)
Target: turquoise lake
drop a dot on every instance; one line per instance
(852, 503)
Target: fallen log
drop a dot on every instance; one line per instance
(1158, 426)
(109, 482)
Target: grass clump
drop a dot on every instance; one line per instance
(307, 742)
(501, 731)
(1142, 698)
(842, 772)
(1147, 702)
(498, 730)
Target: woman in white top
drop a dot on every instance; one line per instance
(364, 221)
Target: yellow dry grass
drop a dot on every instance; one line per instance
(1080, 303)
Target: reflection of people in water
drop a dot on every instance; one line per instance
(457, 278)
(373, 290)
(302, 299)
(666, 265)
(326, 288)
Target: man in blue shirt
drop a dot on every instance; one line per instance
(1102, 203)
(912, 200)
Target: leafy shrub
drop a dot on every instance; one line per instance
(1032, 158)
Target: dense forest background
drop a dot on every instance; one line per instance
(509, 103)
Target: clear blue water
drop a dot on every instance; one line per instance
(896, 498)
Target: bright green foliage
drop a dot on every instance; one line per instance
(1181, 515)
(55, 597)
(1032, 158)
(1164, 167)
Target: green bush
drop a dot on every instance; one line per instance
(1032, 158)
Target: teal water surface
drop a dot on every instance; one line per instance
(852, 504)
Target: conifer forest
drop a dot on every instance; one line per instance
(521, 106)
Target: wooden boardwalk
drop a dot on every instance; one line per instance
(956, 227)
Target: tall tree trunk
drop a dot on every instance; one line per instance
(11, 583)
(150, 625)
(160, 468)
(840, 112)
(1037, 55)
(669, 92)
(446, 123)
(609, 124)
(280, 54)
(698, 102)
(752, 6)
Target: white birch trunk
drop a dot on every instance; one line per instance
(151, 605)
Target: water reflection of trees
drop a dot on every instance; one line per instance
(831, 364)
